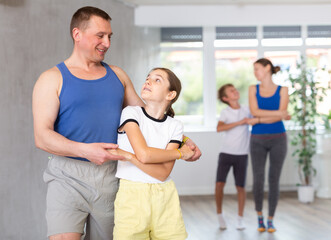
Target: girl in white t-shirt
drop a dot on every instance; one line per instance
(147, 204)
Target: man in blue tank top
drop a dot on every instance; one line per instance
(76, 110)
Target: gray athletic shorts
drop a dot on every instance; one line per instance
(80, 192)
(237, 162)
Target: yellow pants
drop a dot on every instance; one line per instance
(148, 211)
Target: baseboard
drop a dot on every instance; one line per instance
(183, 191)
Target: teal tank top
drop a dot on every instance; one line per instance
(90, 110)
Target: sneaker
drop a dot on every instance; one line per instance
(221, 221)
(240, 223)
(271, 227)
(261, 227)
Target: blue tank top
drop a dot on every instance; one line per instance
(90, 110)
(268, 103)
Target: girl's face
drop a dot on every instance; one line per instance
(261, 72)
(156, 87)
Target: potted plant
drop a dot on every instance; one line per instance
(306, 92)
(327, 120)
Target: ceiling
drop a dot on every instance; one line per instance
(219, 2)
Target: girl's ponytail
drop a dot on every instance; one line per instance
(170, 112)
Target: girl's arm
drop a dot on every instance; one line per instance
(160, 171)
(146, 154)
(257, 112)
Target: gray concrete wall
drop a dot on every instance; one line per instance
(34, 36)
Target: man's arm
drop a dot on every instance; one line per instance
(45, 107)
(131, 98)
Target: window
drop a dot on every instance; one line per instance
(318, 35)
(319, 57)
(286, 60)
(182, 53)
(184, 35)
(282, 36)
(234, 56)
(235, 66)
(236, 37)
(206, 58)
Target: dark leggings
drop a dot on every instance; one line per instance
(260, 146)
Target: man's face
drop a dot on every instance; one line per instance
(94, 41)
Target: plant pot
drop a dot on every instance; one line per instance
(306, 194)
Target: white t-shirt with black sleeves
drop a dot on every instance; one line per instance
(236, 140)
(157, 133)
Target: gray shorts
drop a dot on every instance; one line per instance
(239, 165)
(80, 192)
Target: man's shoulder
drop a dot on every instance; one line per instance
(50, 75)
(117, 70)
(120, 73)
(48, 82)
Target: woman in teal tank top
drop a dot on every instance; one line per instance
(268, 104)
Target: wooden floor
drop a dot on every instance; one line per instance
(293, 220)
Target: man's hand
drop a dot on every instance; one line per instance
(98, 154)
(195, 149)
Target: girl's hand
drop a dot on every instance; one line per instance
(195, 149)
(186, 151)
(126, 155)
